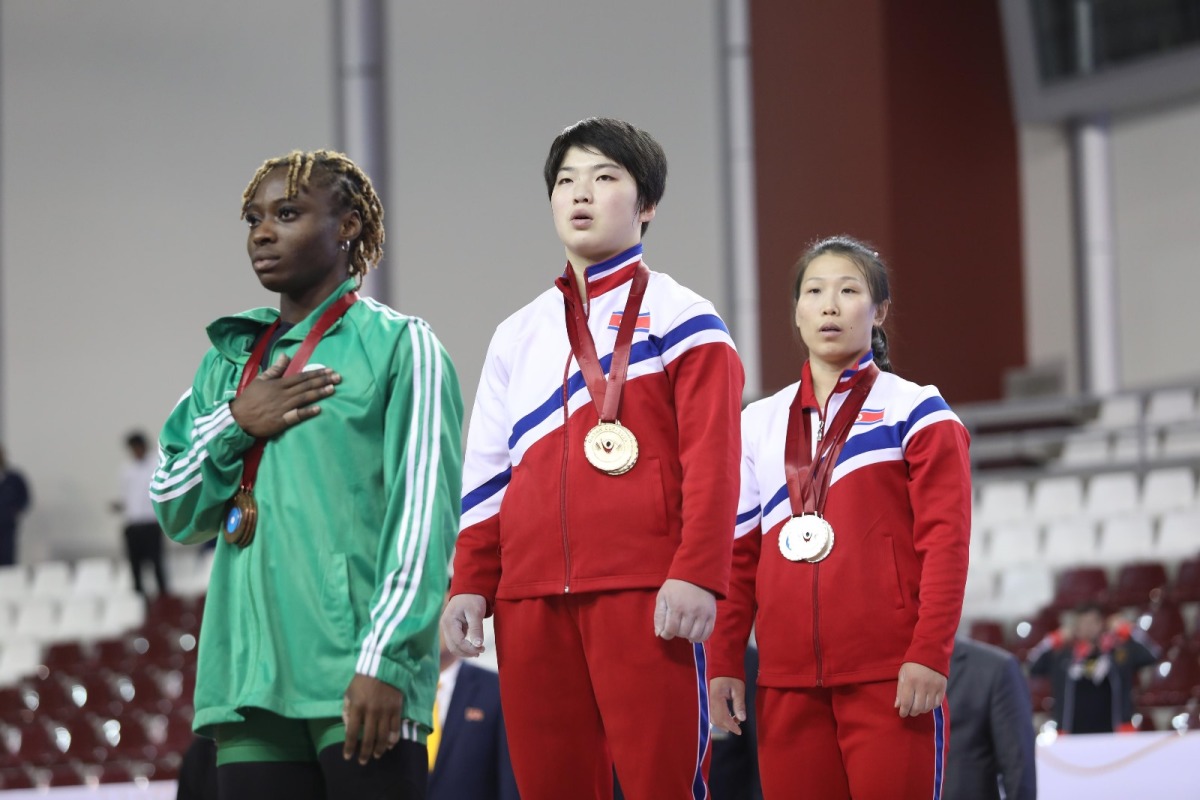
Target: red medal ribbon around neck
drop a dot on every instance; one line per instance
(254, 365)
(808, 487)
(605, 394)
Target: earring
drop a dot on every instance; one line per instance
(346, 246)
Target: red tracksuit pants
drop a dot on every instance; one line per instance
(585, 684)
(839, 742)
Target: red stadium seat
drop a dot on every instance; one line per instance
(1187, 582)
(1080, 585)
(16, 778)
(13, 709)
(1027, 633)
(1175, 681)
(1040, 694)
(1163, 624)
(1139, 584)
(40, 746)
(50, 696)
(133, 743)
(65, 657)
(989, 631)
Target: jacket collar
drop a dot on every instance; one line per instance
(234, 336)
(606, 275)
(846, 382)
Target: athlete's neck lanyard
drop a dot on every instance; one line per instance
(253, 457)
(605, 395)
(808, 487)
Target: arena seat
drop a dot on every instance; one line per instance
(1168, 489)
(78, 619)
(1125, 538)
(1027, 633)
(1086, 449)
(1163, 623)
(1181, 443)
(1111, 493)
(1167, 406)
(1138, 584)
(1119, 411)
(989, 631)
(1014, 543)
(1002, 502)
(1023, 589)
(37, 619)
(1055, 498)
(1070, 542)
(1080, 585)
(94, 577)
(14, 582)
(19, 658)
(1186, 588)
(51, 579)
(1179, 535)
(1175, 680)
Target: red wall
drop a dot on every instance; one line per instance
(891, 122)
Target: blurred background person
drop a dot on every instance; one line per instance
(991, 717)
(1092, 668)
(468, 749)
(14, 500)
(143, 536)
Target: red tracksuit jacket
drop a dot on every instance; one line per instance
(891, 589)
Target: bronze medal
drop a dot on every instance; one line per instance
(241, 512)
(807, 537)
(611, 448)
(241, 516)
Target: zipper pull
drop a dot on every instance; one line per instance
(820, 429)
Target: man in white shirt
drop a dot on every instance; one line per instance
(143, 536)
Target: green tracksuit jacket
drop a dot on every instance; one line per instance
(357, 513)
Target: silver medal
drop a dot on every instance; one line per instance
(807, 537)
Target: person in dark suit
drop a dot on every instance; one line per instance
(470, 760)
(991, 724)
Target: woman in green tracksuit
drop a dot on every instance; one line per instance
(322, 444)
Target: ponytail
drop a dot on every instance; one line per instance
(879, 349)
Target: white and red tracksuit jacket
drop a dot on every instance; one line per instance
(538, 519)
(891, 590)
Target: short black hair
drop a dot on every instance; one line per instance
(631, 147)
(135, 439)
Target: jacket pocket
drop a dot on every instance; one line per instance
(337, 604)
(894, 570)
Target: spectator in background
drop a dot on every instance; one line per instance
(992, 720)
(468, 749)
(143, 536)
(14, 500)
(1092, 669)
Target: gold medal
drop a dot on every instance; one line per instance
(611, 448)
(241, 516)
(807, 537)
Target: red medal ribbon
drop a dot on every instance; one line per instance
(807, 487)
(254, 365)
(606, 395)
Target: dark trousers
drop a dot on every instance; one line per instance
(8, 546)
(144, 543)
(400, 774)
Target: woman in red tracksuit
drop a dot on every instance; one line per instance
(850, 555)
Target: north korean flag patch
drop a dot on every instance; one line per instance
(642, 326)
(869, 416)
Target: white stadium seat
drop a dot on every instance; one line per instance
(1057, 498)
